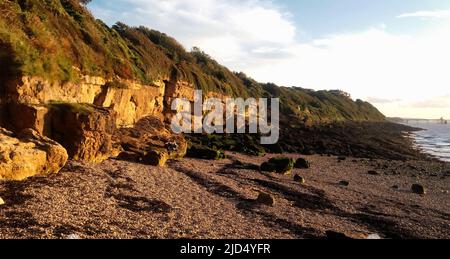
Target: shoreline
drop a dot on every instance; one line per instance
(196, 198)
(422, 148)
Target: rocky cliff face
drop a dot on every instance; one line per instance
(84, 116)
(130, 100)
(73, 79)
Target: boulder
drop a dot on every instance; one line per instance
(29, 154)
(85, 131)
(265, 199)
(418, 189)
(281, 165)
(299, 179)
(302, 163)
(150, 142)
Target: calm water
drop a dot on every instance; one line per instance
(435, 139)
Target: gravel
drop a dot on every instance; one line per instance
(196, 198)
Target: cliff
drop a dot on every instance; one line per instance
(71, 78)
(55, 50)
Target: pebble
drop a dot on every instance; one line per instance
(73, 237)
(265, 199)
(299, 179)
(418, 189)
(344, 183)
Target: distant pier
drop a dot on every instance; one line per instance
(428, 121)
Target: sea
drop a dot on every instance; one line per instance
(434, 139)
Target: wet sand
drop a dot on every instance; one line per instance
(215, 199)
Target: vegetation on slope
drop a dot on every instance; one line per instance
(60, 40)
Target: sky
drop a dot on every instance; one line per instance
(392, 53)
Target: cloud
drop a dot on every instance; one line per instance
(437, 102)
(237, 32)
(371, 63)
(378, 100)
(427, 14)
(259, 38)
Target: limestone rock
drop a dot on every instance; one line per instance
(28, 116)
(85, 131)
(35, 90)
(132, 102)
(29, 154)
(179, 89)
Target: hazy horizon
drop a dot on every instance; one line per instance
(391, 53)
